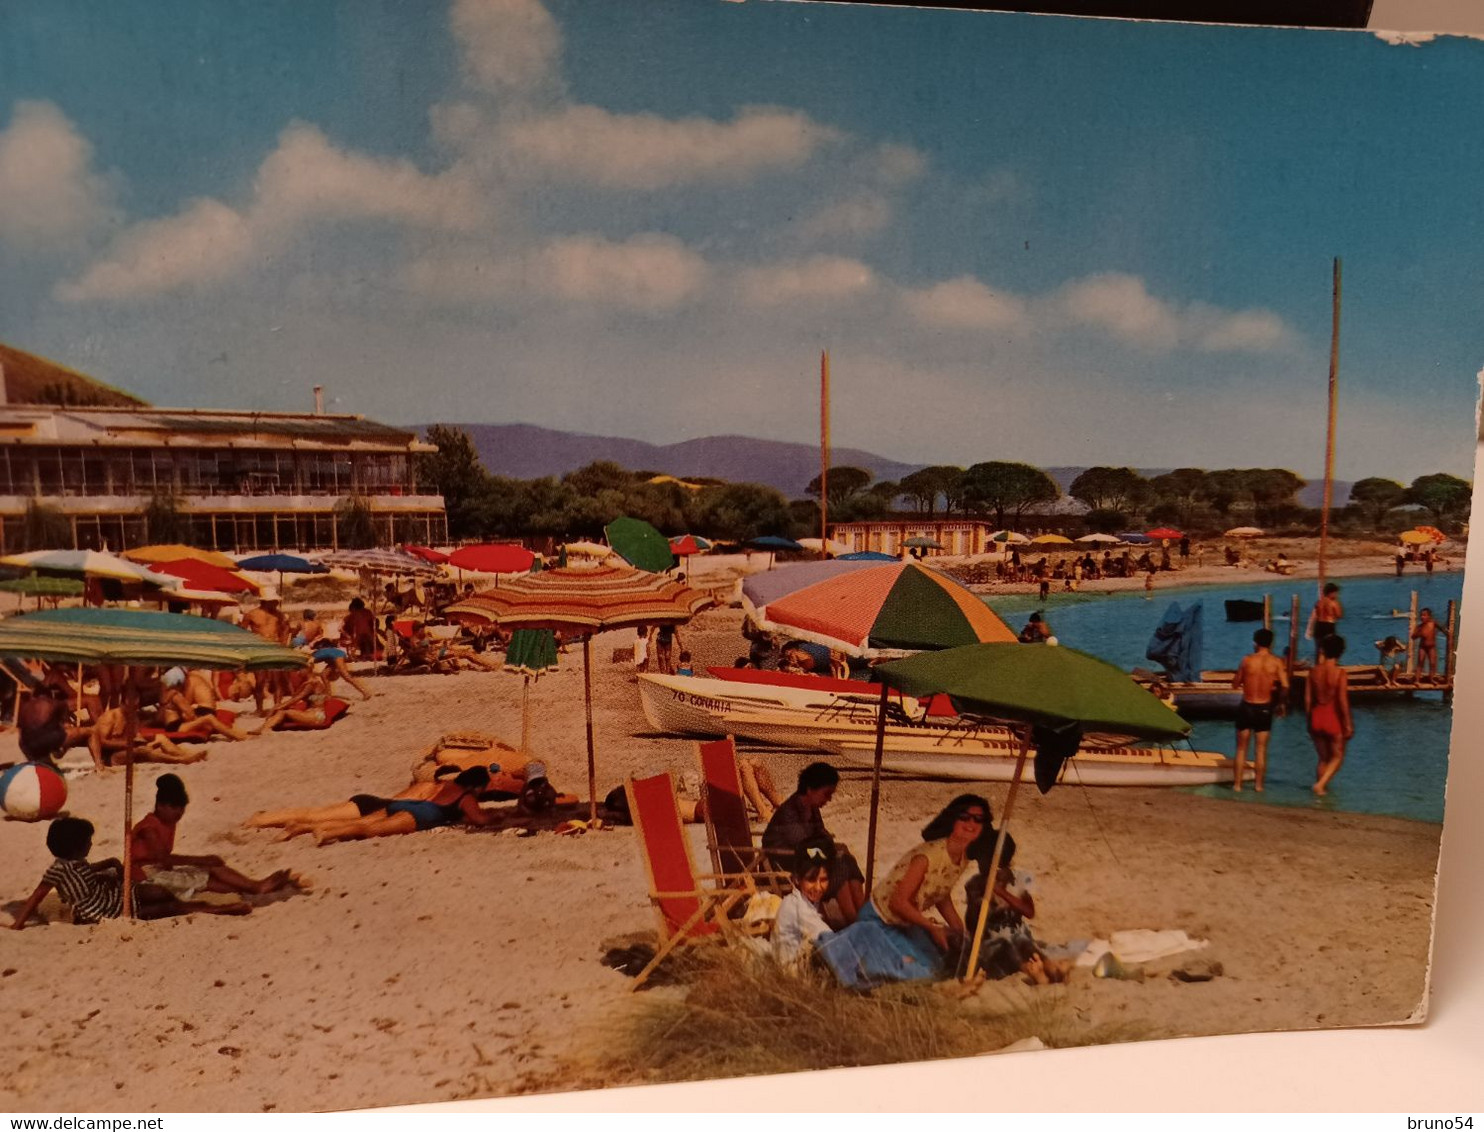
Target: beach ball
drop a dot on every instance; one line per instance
(31, 792)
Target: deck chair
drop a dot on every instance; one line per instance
(688, 913)
(729, 835)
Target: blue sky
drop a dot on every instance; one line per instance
(1062, 241)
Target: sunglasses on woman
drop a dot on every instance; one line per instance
(972, 815)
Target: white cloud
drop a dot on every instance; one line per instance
(646, 272)
(966, 304)
(896, 164)
(303, 181)
(863, 215)
(645, 151)
(508, 46)
(206, 242)
(1244, 330)
(1121, 305)
(818, 278)
(50, 196)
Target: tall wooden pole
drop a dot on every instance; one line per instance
(592, 761)
(1449, 653)
(1291, 660)
(824, 453)
(1329, 438)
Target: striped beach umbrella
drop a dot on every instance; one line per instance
(379, 561)
(585, 601)
(870, 609)
(139, 637)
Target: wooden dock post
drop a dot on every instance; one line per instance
(1267, 611)
(1449, 653)
(1412, 640)
(1291, 660)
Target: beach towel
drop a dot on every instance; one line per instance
(1140, 945)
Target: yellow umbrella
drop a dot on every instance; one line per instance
(174, 552)
(1051, 540)
(1416, 538)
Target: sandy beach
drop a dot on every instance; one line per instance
(454, 964)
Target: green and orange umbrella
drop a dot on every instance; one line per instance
(870, 609)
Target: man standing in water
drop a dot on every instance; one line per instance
(1259, 674)
(1327, 701)
(1327, 614)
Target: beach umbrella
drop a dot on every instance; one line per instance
(868, 556)
(922, 542)
(1432, 533)
(1164, 533)
(1245, 532)
(870, 609)
(585, 549)
(683, 546)
(174, 552)
(1048, 694)
(282, 563)
(1008, 537)
(639, 544)
(1135, 538)
(492, 558)
(588, 602)
(86, 564)
(531, 652)
(773, 542)
(1105, 540)
(1413, 538)
(203, 576)
(140, 638)
(427, 554)
(34, 585)
(379, 561)
(1051, 540)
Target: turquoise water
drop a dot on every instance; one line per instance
(1398, 761)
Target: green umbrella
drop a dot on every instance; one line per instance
(1029, 686)
(530, 652)
(32, 585)
(640, 545)
(138, 637)
(1036, 684)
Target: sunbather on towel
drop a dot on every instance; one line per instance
(179, 715)
(524, 780)
(109, 738)
(307, 707)
(358, 806)
(453, 802)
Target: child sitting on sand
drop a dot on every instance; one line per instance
(95, 890)
(1009, 948)
(799, 922)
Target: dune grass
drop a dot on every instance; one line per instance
(740, 1015)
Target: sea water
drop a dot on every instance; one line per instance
(1398, 761)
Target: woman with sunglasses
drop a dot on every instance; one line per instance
(895, 938)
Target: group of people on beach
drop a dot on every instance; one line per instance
(909, 928)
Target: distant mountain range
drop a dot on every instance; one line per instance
(528, 451)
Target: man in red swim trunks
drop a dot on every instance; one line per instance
(1259, 674)
(1327, 700)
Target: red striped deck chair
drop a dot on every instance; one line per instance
(688, 912)
(734, 852)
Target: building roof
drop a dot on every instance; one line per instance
(201, 428)
(29, 379)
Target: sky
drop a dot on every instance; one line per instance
(1063, 241)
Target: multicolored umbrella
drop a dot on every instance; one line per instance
(174, 551)
(1432, 533)
(922, 542)
(683, 546)
(608, 597)
(640, 545)
(492, 558)
(87, 564)
(870, 609)
(1008, 536)
(379, 561)
(139, 637)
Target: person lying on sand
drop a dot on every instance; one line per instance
(154, 859)
(358, 806)
(178, 714)
(110, 738)
(94, 890)
(306, 707)
(453, 802)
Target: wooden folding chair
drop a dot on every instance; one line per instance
(688, 912)
(729, 833)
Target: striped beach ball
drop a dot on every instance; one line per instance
(31, 792)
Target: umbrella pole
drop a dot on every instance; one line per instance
(876, 787)
(587, 691)
(999, 847)
(525, 718)
(130, 702)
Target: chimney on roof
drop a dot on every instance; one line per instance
(319, 400)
